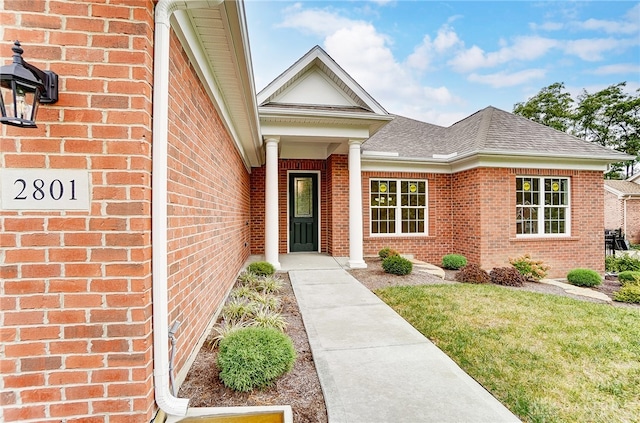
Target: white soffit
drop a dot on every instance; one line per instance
(216, 41)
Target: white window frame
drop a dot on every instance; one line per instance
(541, 207)
(398, 208)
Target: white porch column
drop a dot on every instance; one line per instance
(356, 260)
(271, 203)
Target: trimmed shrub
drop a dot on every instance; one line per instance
(629, 277)
(507, 276)
(254, 357)
(530, 268)
(261, 268)
(397, 265)
(454, 261)
(628, 294)
(386, 252)
(584, 277)
(473, 273)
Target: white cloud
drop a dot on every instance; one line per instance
(547, 26)
(523, 49)
(424, 54)
(315, 21)
(505, 79)
(592, 49)
(365, 54)
(619, 68)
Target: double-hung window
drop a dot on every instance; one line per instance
(398, 206)
(542, 206)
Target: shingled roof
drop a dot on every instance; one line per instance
(622, 187)
(488, 131)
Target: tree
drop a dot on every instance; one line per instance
(609, 117)
(552, 106)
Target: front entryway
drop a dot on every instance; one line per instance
(303, 212)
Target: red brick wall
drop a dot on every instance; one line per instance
(633, 220)
(428, 248)
(208, 238)
(76, 286)
(613, 211)
(614, 215)
(338, 206)
(496, 198)
(466, 212)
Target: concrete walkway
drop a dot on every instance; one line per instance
(373, 366)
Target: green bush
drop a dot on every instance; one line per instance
(629, 277)
(397, 265)
(628, 294)
(530, 268)
(507, 276)
(621, 263)
(584, 277)
(261, 268)
(254, 357)
(386, 252)
(473, 273)
(454, 261)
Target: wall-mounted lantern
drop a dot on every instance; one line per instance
(22, 88)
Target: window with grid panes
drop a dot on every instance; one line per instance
(542, 206)
(398, 206)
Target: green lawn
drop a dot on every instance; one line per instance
(547, 358)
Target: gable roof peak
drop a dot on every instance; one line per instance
(318, 61)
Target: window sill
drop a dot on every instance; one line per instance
(401, 236)
(545, 238)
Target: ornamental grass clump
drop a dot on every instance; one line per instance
(386, 252)
(397, 265)
(628, 294)
(531, 269)
(254, 357)
(506, 276)
(629, 277)
(473, 273)
(261, 268)
(454, 261)
(584, 277)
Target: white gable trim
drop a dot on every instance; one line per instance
(298, 68)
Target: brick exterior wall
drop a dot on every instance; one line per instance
(76, 286)
(338, 207)
(428, 248)
(614, 215)
(494, 204)
(633, 220)
(208, 226)
(613, 211)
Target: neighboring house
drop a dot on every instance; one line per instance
(622, 207)
(188, 172)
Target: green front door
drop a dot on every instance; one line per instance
(303, 212)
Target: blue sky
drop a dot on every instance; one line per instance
(440, 61)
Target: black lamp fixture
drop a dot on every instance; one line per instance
(22, 88)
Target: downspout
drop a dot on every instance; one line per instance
(167, 402)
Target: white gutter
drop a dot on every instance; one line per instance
(164, 9)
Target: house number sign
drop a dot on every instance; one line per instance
(44, 189)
